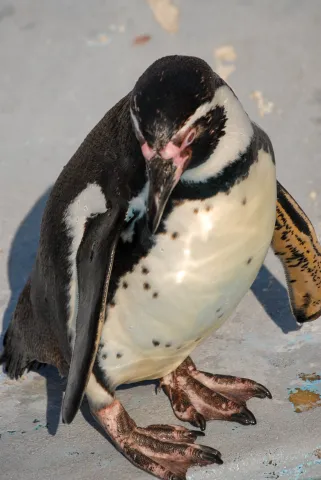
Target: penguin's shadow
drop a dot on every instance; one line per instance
(20, 261)
(268, 290)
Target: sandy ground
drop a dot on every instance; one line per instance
(63, 65)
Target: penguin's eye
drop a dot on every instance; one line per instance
(190, 137)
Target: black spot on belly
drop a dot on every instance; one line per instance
(104, 356)
(119, 355)
(146, 286)
(218, 310)
(244, 201)
(155, 343)
(145, 270)
(112, 303)
(175, 235)
(168, 345)
(249, 260)
(208, 208)
(195, 211)
(125, 285)
(155, 294)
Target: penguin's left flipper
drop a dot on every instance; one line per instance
(296, 244)
(197, 397)
(94, 265)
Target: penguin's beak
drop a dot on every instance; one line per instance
(162, 175)
(165, 167)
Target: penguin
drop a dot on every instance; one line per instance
(152, 234)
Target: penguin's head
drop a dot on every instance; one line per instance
(179, 121)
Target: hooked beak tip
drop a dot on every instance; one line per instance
(163, 177)
(153, 214)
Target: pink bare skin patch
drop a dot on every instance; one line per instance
(147, 151)
(178, 154)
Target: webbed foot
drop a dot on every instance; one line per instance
(165, 451)
(199, 396)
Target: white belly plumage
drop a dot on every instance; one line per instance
(191, 280)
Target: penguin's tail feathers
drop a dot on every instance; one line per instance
(17, 355)
(14, 358)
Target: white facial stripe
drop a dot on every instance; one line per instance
(91, 201)
(238, 134)
(199, 113)
(135, 123)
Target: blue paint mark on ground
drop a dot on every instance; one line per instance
(301, 337)
(309, 383)
(296, 472)
(314, 387)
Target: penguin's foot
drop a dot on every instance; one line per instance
(165, 451)
(199, 396)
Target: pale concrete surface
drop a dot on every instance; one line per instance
(63, 64)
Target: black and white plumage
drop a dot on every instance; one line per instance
(153, 233)
(174, 289)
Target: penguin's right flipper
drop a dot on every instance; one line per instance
(295, 242)
(94, 265)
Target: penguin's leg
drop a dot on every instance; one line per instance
(295, 242)
(198, 396)
(165, 451)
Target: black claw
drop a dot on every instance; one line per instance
(262, 392)
(175, 477)
(211, 455)
(199, 422)
(208, 449)
(245, 417)
(196, 433)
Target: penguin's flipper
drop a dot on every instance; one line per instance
(94, 265)
(295, 242)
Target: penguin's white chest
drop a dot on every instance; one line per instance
(191, 280)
